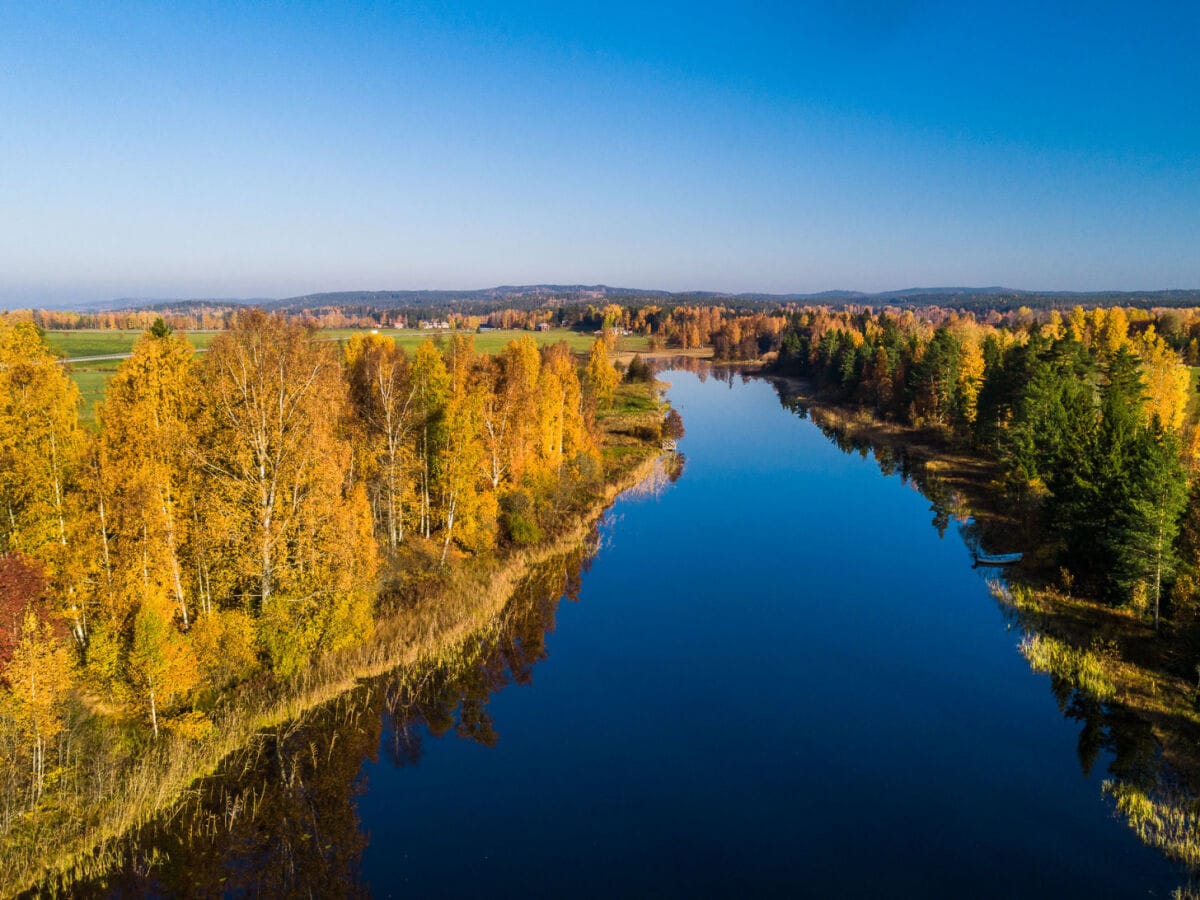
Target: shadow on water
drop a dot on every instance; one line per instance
(280, 818)
(1152, 797)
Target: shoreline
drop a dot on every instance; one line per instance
(1148, 672)
(402, 638)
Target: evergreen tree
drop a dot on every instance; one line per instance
(1149, 520)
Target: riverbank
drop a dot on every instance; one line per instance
(624, 357)
(1081, 643)
(968, 483)
(54, 847)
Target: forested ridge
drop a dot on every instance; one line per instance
(1088, 426)
(237, 517)
(1089, 418)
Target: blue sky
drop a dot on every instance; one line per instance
(175, 150)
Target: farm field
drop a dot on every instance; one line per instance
(493, 341)
(72, 344)
(92, 377)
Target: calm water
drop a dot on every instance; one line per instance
(777, 678)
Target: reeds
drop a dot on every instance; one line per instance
(57, 845)
(1082, 669)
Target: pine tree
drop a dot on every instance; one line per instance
(1149, 520)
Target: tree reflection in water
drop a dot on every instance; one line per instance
(1158, 805)
(279, 819)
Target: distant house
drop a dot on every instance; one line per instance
(543, 326)
(433, 325)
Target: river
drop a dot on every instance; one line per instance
(777, 675)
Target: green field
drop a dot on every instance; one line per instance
(102, 343)
(92, 377)
(493, 341)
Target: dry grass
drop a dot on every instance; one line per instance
(1167, 820)
(62, 846)
(1112, 655)
(1082, 669)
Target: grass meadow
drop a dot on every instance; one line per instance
(92, 377)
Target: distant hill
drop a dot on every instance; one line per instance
(532, 296)
(567, 295)
(199, 303)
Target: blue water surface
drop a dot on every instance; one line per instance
(778, 680)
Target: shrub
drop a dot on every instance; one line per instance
(519, 519)
(651, 433)
(639, 370)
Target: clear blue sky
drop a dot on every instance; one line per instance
(273, 149)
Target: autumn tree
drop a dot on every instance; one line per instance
(40, 448)
(147, 456)
(510, 413)
(431, 386)
(297, 531)
(563, 432)
(22, 582)
(672, 427)
(462, 503)
(385, 399)
(1111, 330)
(601, 377)
(40, 675)
(162, 665)
(1167, 381)
(970, 380)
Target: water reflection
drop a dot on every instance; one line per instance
(280, 820)
(742, 687)
(957, 492)
(990, 519)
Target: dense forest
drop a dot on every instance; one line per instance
(234, 516)
(1089, 418)
(563, 300)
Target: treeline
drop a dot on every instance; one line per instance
(234, 514)
(733, 332)
(193, 318)
(249, 829)
(1087, 416)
